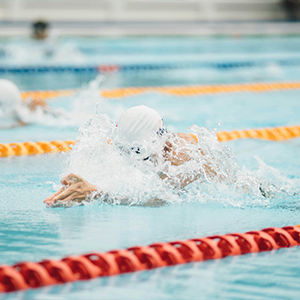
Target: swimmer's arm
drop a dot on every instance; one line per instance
(75, 188)
(178, 154)
(35, 104)
(180, 181)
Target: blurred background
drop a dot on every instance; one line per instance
(62, 44)
(114, 17)
(115, 46)
(147, 11)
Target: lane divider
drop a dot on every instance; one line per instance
(175, 90)
(32, 148)
(271, 134)
(47, 94)
(220, 65)
(204, 89)
(27, 275)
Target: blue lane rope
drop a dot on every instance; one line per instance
(148, 66)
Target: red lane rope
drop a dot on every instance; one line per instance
(28, 275)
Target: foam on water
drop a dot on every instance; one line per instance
(24, 52)
(89, 97)
(46, 117)
(82, 108)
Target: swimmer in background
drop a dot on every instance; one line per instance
(40, 30)
(13, 109)
(136, 125)
(45, 43)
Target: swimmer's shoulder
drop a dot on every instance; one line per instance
(189, 137)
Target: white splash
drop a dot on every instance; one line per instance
(83, 106)
(57, 117)
(121, 177)
(89, 98)
(124, 177)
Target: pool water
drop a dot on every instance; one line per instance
(267, 53)
(222, 112)
(30, 231)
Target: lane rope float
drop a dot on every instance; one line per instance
(42, 147)
(174, 90)
(272, 134)
(203, 89)
(33, 148)
(47, 94)
(93, 68)
(27, 275)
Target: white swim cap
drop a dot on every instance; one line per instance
(140, 123)
(10, 97)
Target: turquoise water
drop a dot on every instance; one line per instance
(221, 112)
(30, 231)
(79, 51)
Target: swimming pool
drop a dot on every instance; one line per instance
(30, 231)
(267, 53)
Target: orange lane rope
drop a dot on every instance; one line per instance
(47, 94)
(272, 134)
(176, 90)
(204, 89)
(32, 148)
(27, 275)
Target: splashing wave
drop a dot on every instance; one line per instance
(124, 177)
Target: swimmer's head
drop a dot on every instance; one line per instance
(40, 30)
(10, 97)
(140, 123)
(141, 127)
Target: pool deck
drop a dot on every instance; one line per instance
(160, 28)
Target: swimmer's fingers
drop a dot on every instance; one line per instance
(64, 194)
(49, 198)
(75, 192)
(73, 197)
(63, 191)
(71, 179)
(79, 190)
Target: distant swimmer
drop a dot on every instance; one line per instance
(136, 126)
(42, 42)
(40, 30)
(16, 112)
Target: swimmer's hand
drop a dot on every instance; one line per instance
(75, 188)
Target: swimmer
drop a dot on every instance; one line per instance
(39, 30)
(13, 108)
(136, 125)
